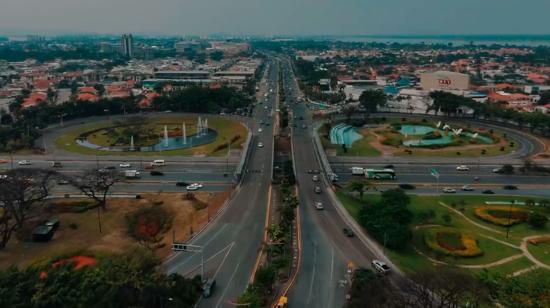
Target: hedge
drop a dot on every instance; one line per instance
(434, 239)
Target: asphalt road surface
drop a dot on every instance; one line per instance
(231, 242)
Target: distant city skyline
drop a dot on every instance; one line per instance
(282, 17)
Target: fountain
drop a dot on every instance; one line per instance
(165, 135)
(184, 134)
(132, 143)
(205, 128)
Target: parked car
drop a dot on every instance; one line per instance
(124, 165)
(380, 267)
(155, 173)
(487, 192)
(24, 163)
(467, 188)
(449, 190)
(348, 232)
(319, 205)
(406, 186)
(509, 187)
(462, 168)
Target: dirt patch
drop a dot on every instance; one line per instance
(79, 231)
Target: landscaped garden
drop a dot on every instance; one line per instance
(150, 136)
(417, 138)
(470, 232)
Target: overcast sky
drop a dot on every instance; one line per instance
(267, 17)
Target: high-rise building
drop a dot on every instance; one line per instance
(127, 45)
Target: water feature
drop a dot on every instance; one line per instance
(184, 134)
(344, 134)
(445, 138)
(166, 135)
(132, 143)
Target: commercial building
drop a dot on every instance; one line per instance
(127, 45)
(444, 80)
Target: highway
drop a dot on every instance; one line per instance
(326, 251)
(232, 240)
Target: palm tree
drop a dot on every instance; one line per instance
(359, 186)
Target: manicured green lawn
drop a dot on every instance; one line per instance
(225, 128)
(427, 210)
(507, 268)
(541, 252)
(361, 147)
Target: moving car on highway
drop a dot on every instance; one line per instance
(194, 186)
(317, 189)
(24, 163)
(407, 186)
(348, 232)
(125, 165)
(260, 145)
(487, 192)
(319, 206)
(315, 178)
(449, 190)
(380, 267)
(156, 173)
(467, 188)
(509, 187)
(462, 168)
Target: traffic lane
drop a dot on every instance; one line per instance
(417, 168)
(133, 188)
(465, 178)
(430, 190)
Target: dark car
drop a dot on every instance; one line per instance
(182, 184)
(388, 167)
(487, 192)
(154, 172)
(110, 167)
(208, 287)
(407, 186)
(510, 187)
(348, 232)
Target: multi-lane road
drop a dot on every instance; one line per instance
(232, 241)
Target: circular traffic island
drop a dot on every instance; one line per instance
(179, 135)
(451, 242)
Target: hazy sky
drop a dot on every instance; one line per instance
(276, 16)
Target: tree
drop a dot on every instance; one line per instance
(537, 220)
(359, 186)
(372, 99)
(216, 55)
(96, 184)
(21, 191)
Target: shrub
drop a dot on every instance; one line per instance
(458, 153)
(537, 220)
(73, 226)
(147, 224)
(452, 242)
(483, 152)
(501, 215)
(502, 149)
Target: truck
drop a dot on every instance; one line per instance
(357, 171)
(131, 174)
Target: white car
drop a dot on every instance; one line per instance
(319, 205)
(462, 168)
(124, 165)
(260, 130)
(260, 145)
(24, 163)
(467, 188)
(449, 190)
(194, 186)
(380, 267)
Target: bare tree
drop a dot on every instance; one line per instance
(21, 190)
(96, 184)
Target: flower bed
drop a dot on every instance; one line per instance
(501, 215)
(451, 242)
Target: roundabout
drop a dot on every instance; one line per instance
(183, 135)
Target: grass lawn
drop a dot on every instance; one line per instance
(226, 129)
(490, 150)
(507, 268)
(541, 252)
(427, 210)
(361, 147)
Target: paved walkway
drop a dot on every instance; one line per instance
(523, 247)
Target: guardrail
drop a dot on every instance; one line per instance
(321, 155)
(244, 157)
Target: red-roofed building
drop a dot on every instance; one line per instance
(90, 90)
(87, 97)
(147, 100)
(42, 84)
(537, 78)
(514, 100)
(34, 99)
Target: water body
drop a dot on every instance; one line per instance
(420, 130)
(171, 143)
(344, 134)
(455, 40)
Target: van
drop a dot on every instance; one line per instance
(159, 162)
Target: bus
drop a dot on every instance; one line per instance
(380, 174)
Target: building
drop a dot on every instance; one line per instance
(444, 80)
(127, 45)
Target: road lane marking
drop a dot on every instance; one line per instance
(331, 274)
(312, 274)
(228, 284)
